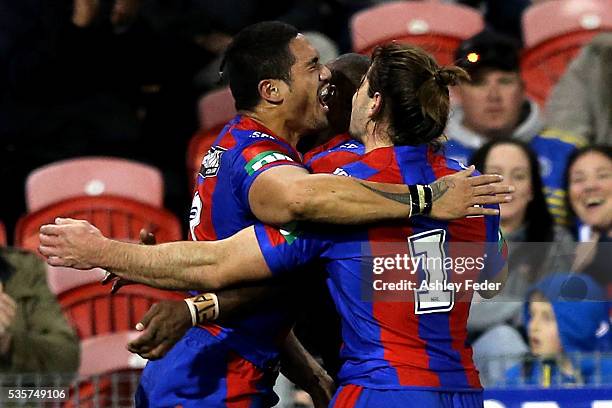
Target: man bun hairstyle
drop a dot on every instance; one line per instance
(414, 91)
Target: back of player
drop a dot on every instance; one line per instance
(405, 348)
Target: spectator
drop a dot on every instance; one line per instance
(581, 102)
(566, 316)
(530, 231)
(34, 334)
(494, 106)
(589, 179)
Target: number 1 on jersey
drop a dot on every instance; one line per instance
(429, 247)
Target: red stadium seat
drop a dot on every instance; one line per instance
(2, 234)
(436, 27)
(554, 33)
(116, 217)
(93, 311)
(108, 372)
(215, 109)
(94, 176)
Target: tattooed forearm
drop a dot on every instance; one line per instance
(402, 198)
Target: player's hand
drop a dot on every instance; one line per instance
(72, 243)
(146, 238)
(459, 195)
(163, 325)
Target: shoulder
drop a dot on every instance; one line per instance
(554, 138)
(25, 270)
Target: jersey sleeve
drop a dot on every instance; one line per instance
(286, 249)
(496, 249)
(257, 157)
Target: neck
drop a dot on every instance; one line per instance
(276, 122)
(376, 136)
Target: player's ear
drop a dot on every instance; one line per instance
(375, 104)
(271, 90)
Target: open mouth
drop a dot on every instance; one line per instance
(325, 95)
(594, 202)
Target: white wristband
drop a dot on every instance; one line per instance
(192, 309)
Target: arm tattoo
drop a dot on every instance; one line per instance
(440, 187)
(402, 198)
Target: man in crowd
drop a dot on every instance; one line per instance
(494, 105)
(35, 337)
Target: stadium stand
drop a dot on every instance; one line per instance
(93, 176)
(554, 32)
(436, 27)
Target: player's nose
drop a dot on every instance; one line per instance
(325, 74)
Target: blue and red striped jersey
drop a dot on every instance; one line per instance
(416, 340)
(243, 150)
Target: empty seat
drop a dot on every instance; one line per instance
(94, 176)
(116, 217)
(554, 33)
(436, 27)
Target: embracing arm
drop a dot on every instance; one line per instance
(206, 265)
(289, 193)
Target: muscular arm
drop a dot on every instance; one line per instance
(288, 193)
(206, 266)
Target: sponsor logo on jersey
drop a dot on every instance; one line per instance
(263, 159)
(211, 162)
(258, 134)
(340, 172)
(349, 145)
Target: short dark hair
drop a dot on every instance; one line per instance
(259, 51)
(414, 92)
(538, 221)
(352, 65)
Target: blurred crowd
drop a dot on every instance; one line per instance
(123, 78)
